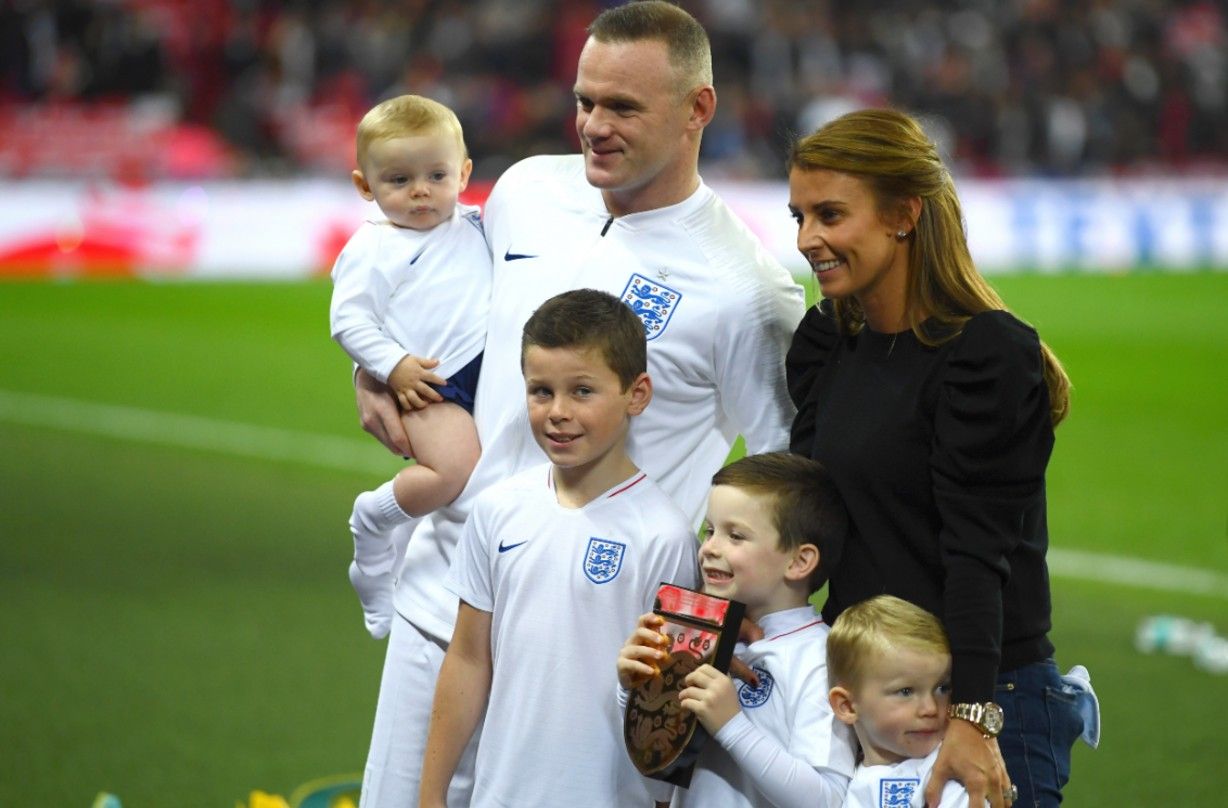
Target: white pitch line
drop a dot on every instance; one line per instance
(346, 454)
(191, 432)
(1126, 571)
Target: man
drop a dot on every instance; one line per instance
(633, 218)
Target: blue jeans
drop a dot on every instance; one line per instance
(1042, 723)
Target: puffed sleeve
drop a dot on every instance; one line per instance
(992, 440)
(813, 342)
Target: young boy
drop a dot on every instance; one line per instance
(552, 565)
(774, 528)
(410, 298)
(890, 668)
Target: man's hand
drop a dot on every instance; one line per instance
(411, 382)
(711, 695)
(640, 657)
(379, 414)
(968, 756)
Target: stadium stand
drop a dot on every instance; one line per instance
(151, 89)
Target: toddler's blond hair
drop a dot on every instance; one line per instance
(406, 115)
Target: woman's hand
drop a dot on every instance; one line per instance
(974, 760)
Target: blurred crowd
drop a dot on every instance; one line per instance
(274, 87)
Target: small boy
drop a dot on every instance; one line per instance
(410, 298)
(774, 529)
(552, 565)
(890, 668)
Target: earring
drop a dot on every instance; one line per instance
(901, 235)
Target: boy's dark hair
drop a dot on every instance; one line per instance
(590, 319)
(806, 507)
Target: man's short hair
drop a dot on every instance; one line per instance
(806, 508)
(881, 625)
(690, 52)
(406, 115)
(585, 319)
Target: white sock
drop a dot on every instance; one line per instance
(375, 595)
(375, 515)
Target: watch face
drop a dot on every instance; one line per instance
(992, 719)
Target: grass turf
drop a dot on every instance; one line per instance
(178, 629)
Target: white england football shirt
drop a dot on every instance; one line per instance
(398, 291)
(564, 587)
(789, 705)
(901, 785)
(718, 310)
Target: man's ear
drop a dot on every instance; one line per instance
(703, 108)
(360, 183)
(804, 562)
(842, 705)
(641, 394)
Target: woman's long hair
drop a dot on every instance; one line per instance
(890, 152)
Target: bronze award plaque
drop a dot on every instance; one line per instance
(662, 738)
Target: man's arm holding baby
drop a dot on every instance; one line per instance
(379, 414)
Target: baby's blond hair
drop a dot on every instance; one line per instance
(406, 115)
(866, 631)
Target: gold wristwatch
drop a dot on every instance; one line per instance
(987, 717)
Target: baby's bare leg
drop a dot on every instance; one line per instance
(445, 443)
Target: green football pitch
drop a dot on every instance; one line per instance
(177, 462)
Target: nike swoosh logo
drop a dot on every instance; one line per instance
(503, 548)
(511, 256)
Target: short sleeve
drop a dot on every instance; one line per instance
(679, 565)
(813, 343)
(992, 440)
(469, 576)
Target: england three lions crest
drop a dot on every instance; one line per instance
(603, 560)
(652, 301)
(897, 792)
(756, 695)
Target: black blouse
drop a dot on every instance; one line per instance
(940, 455)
